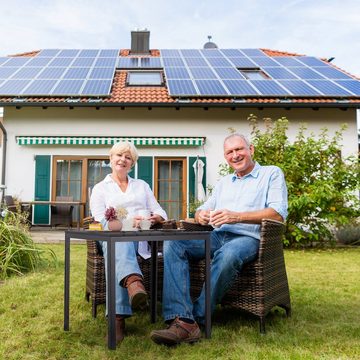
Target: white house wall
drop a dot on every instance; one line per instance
(212, 124)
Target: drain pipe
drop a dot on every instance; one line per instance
(3, 167)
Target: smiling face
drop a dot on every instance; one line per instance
(238, 154)
(121, 161)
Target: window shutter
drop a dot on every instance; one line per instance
(191, 179)
(145, 169)
(42, 188)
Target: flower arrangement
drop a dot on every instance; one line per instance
(113, 214)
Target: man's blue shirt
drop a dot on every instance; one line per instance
(263, 187)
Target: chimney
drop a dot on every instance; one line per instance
(140, 42)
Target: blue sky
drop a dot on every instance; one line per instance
(319, 28)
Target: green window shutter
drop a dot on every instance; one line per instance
(131, 173)
(145, 169)
(191, 179)
(42, 188)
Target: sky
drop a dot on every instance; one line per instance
(321, 28)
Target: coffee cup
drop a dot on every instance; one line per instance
(211, 219)
(145, 214)
(145, 224)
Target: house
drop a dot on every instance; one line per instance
(63, 109)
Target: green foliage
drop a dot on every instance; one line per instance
(18, 253)
(322, 186)
(349, 234)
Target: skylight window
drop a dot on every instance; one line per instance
(253, 74)
(145, 78)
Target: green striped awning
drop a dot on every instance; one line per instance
(105, 140)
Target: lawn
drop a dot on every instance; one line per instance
(325, 322)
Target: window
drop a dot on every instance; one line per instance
(144, 78)
(253, 74)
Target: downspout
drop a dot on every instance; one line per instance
(3, 167)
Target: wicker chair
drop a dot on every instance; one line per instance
(261, 285)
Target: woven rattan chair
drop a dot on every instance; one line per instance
(261, 285)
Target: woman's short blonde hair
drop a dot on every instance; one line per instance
(123, 146)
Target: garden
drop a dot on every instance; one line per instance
(322, 256)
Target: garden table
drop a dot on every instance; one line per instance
(152, 236)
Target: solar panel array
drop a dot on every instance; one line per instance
(188, 73)
(54, 72)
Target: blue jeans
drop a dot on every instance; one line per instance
(125, 264)
(229, 253)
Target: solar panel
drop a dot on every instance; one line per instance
(181, 87)
(76, 73)
(253, 52)
(48, 52)
(240, 87)
(190, 53)
(329, 88)
(17, 61)
(351, 85)
(264, 61)
(177, 73)
(105, 62)
(113, 53)
(229, 73)
(195, 61)
(210, 87)
(27, 73)
(39, 87)
(242, 62)
(279, 73)
(209, 53)
(128, 63)
(173, 62)
(169, 53)
(269, 87)
(92, 53)
(311, 61)
(102, 73)
(97, 87)
(231, 52)
(287, 61)
(151, 63)
(306, 73)
(13, 87)
(68, 87)
(83, 61)
(3, 60)
(61, 61)
(217, 61)
(39, 61)
(332, 73)
(6, 72)
(68, 53)
(52, 73)
(202, 73)
(299, 88)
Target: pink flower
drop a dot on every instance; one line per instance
(110, 214)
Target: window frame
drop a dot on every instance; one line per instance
(161, 82)
(246, 71)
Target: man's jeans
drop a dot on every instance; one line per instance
(125, 264)
(229, 253)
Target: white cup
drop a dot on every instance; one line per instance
(144, 213)
(211, 221)
(145, 224)
(128, 225)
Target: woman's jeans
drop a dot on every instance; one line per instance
(125, 264)
(229, 253)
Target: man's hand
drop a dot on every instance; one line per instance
(220, 217)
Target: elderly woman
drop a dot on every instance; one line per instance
(120, 194)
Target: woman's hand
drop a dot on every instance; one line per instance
(155, 218)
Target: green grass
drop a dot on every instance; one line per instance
(325, 322)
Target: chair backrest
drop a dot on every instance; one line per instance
(64, 209)
(9, 200)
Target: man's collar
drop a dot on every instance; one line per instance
(254, 173)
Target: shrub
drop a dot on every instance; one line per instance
(18, 253)
(322, 186)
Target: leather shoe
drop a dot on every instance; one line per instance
(177, 332)
(136, 291)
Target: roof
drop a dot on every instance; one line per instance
(123, 95)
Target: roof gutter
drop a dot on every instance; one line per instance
(180, 104)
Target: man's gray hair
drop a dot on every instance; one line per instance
(241, 136)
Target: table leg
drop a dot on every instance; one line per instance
(207, 289)
(153, 280)
(67, 283)
(111, 294)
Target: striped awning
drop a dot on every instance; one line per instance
(105, 140)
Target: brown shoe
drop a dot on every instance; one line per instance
(136, 291)
(177, 332)
(119, 329)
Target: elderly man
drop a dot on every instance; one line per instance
(236, 207)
